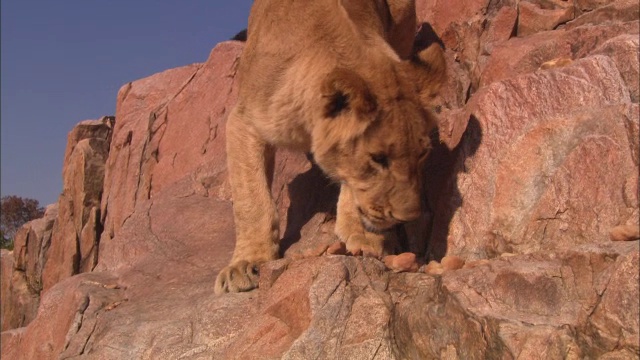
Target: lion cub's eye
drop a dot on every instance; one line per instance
(380, 159)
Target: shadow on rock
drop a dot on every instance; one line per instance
(441, 187)
(425, 37)
(311, 193)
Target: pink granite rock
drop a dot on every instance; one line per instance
(74, 239)
(547, 165)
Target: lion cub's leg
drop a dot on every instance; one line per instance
(350, 230)
(256, 220)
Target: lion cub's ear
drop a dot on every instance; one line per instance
(429, 68)
(343, 90)
(348, 108)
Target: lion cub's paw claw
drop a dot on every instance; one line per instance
(237, 277)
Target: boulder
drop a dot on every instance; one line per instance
(519, 56)
(623, 50)
(521, 181)
(521, 306)
(537, 16)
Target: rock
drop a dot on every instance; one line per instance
(168, 125)
(533, 18)
(611, 11)
(271, 271)
(614, 322)
(6, 265)
(434, 268)
(534, 167)
(588, 5)
(314, 238)
(310, 310)
(452, 263)
(336, 307)
(163, 135)
(525, 161)
(469, 32)
(623, 50)
(624, 233)
(17, 304)
(519, 306)
(74, 243)
(66, 317)
(401, 262)
(556, 63)
(520, 56)
(20, 302)
(31, 244)
(38, 243)
(22, 271)
(64, 241)
(338, 248)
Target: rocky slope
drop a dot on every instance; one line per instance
(538, 161)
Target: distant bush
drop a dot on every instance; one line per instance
(4, 242)
(15, 211)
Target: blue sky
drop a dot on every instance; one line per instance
(63, 62)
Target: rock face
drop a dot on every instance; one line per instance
(530, 167)
(22, 269)
(65, 241)
(74, 242)
(538, 160)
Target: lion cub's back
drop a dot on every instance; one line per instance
(282, 34)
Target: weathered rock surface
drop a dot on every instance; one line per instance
(76, 231)
(65, 241)
(523, 306)
(547, 164)
(527, 186)
(22, 271)
(567, 303)
(537, 16)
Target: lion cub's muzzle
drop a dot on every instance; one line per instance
(376, 221)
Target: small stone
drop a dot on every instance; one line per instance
(388, 261)
(556, 63)
(625, 233)
(452, 263)
(434, 268)
(405, 262)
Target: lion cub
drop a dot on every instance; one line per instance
(335, 78)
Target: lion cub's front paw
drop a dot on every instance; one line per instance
(237, 277)
(368, 244)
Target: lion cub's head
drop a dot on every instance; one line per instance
(374, 137)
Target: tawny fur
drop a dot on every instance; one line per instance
(335, 78)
